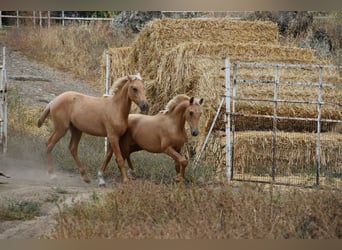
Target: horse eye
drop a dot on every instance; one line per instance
(135, 90)
(191, 113)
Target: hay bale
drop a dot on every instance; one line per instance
(118, 64)
(296, 152)
(159, 36)
(194, 69)
(173, 60)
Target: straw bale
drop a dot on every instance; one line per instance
(296, 153)
(175, 60)
(119, 65)
(161, 35)
(194, 69)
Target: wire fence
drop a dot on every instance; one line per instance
(44, 18)
(287, 135)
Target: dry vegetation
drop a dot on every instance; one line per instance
(151, 206)
(77, 48)
(145, 210)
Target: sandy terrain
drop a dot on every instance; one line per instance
(37, 84)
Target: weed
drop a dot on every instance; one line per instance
(145, 210)
(20, 210)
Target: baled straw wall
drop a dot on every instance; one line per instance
(159, 36)
(118, 64)
(189, 60)
(296, 152)
(194, 68)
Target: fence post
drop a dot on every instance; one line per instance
(233, 119)
(63, 18)
(275, 105)
(318, 143)
(40, 19)
(17, 18)
(49, 21)
(34, 18)
(107, 91)
(4, 103)
(227, 116)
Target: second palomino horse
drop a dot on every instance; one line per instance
(162, 133)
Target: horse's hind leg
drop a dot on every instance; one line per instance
(131, 168)
(109, 155)
(73, 147)
(54, 138)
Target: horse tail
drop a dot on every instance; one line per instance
(43, 116)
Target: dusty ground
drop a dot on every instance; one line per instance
(37, 84)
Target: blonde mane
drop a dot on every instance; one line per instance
(120, 82)
(172, 104)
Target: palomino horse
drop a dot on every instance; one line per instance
(98, 116)
(162, 133)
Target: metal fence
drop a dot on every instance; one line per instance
(299, 148)
(3, 108)
(46, 18)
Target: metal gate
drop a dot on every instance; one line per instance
(281, 129)
(3, 108)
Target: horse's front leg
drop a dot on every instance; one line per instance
(114, 142)
(180, 162)
(109, 155)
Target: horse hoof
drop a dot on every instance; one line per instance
(87, 181)
(125, 181)
(102, 185)
(52, 176)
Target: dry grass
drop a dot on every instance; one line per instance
(77, 48)
(228, 212)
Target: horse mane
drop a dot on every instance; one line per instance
(172, 104)
(120, 82)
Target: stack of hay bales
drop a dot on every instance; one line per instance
(185, 56)
(177, 56)
(296, 153)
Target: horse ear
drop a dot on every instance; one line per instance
(200, 101)
(129, 78)
(192, 100)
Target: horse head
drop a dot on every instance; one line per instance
(136, 91)
(193, 114)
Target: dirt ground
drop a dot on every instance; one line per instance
(37, 84)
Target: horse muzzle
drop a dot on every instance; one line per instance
(194, 132)
(143, 105)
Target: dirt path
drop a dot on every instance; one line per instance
(37, 84)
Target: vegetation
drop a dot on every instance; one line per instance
(20, 210)
(153, 206)
(144, 210)
(77, 48)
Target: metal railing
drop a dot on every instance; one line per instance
(44, 17)
(3, 108)
(232, 98)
